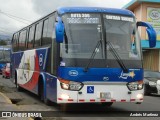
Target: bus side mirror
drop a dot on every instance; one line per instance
(59, 29)
(151, 33)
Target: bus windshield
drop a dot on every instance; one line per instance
(121, 32)
(82, 35)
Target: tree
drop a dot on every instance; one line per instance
(3, 42)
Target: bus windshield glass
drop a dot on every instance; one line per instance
(81, 37)
(121, 32)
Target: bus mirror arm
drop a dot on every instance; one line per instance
(151, 33)
(59, 29)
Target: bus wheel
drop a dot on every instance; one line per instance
(47, 102)
(107, 104)
(17, 86)
(20, 89)
(41, 94)
(146, 91)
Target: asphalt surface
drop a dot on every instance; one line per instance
(26, 101)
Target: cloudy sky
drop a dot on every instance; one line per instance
(15, 14)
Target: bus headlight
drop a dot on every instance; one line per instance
(139, 96)
(135, 85)
(70, 85)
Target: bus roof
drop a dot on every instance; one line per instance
(64, 10)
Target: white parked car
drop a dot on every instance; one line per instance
(158, 87)
(151, 82)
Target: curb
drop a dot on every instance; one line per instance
(7, 100)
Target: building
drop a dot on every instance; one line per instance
(148, 11)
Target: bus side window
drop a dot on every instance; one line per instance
(17, 42)
(38, 34)
(31, 37)
(45, 31)
(51, 29)
(27, 38)
(22, 39)
(48, 31)
(14, 43)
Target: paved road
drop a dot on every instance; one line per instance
(29, 102)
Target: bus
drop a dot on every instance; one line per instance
(81, 55)
(4, 56)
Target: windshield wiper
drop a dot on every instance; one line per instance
(118, 59)
(93, 55)
(99, 28)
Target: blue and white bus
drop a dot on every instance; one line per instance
(4, 56)
(81, 55)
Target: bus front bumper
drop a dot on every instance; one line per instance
(98, 93)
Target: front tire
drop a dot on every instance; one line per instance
(42, 95)
(146, 91)
(17, 86)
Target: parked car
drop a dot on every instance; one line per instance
(6, 71)
(151, 79)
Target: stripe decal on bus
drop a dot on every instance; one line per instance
(101, 100)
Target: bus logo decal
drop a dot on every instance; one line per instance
(126, 75)
(73, 73)
(40, 60)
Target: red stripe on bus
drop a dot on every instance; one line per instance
(103, 100)
(123, 100)
(60, 99)
(81, 100)
(113, 100)
(92, 100)
(70, 99)
(133, 100)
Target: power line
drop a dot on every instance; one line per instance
(16, 19)
(6, 30)
(15, 16)
(6, 35)
(2, 28)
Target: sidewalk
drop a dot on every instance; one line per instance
(6, 105)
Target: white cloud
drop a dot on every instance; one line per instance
(34, 9)
(19, 8)
(46, 6)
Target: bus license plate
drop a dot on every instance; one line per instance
(105, 95)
